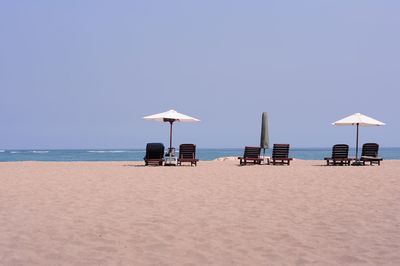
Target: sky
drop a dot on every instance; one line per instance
(82, 74)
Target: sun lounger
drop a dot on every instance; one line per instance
(340, 155)
(251, 155)
(187, 153)
(370, 154)
(154, 154)
(280, 154)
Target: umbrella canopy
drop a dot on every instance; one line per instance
(171, 116)
(358, 119)
(264, 140)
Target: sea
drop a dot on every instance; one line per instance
(95, 155)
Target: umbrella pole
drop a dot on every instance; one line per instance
(357, 143)
(170, 135)
(263, 155)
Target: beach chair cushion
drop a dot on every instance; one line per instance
(154, 154)
(370, 153)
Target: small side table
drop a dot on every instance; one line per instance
(170, 161)
(266, 160)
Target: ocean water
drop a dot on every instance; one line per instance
(138, 154)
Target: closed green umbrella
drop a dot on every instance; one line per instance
(264, 140)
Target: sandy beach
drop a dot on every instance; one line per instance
(122, 213)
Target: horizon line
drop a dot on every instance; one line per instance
(143, 148)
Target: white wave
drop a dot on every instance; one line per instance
(2, 151)
(107, 151)
(29, 151)
(116, 151)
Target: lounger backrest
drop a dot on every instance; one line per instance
(370, 149)
(340, 151)
(154, 151)
(280, 151)
(187, 151)
(251, 152)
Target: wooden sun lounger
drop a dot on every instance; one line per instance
(340, 155)
(370, 154)
(251, 155)
(154, 154)
(187, 153)
(280, 154)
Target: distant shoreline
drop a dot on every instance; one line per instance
(202, 154)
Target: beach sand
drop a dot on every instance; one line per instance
(121, 213)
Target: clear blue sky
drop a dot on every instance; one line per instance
(81, 74)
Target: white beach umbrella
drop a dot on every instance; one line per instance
(358, 119)
(171, 116)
